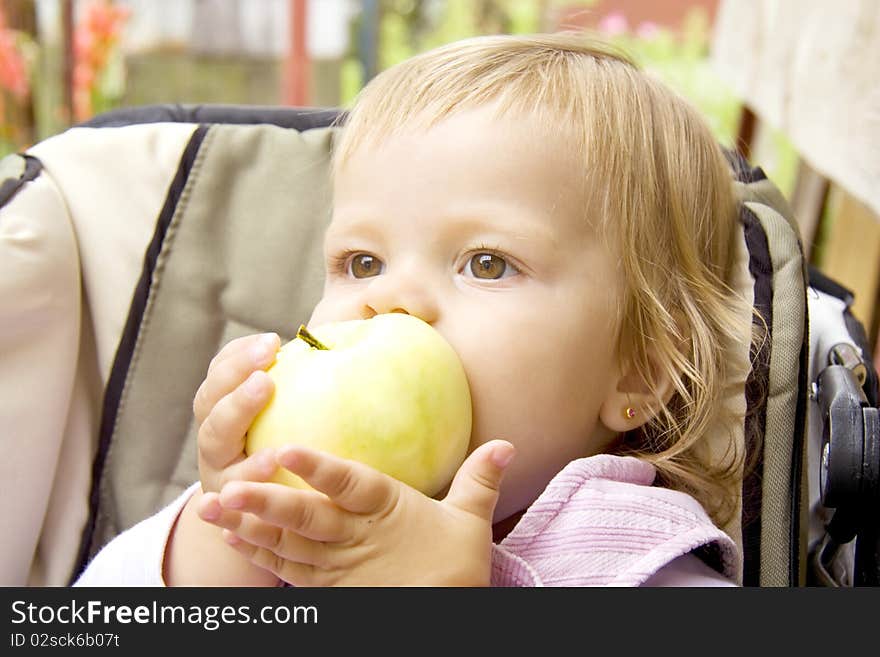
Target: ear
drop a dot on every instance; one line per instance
(631, 404)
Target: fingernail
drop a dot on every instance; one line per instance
(263, 350)
(255, 385)
(230, 538)
(501, 456)
(208, 510)
(209, 513)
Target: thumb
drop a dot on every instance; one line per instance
(475, 486)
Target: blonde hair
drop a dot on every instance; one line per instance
(663, 191)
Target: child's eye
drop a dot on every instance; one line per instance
(355, 264)
(489, 266)
(363, 265)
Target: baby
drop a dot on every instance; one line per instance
(567, 223)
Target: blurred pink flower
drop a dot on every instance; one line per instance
(614, 24)
(83, 43)
(13, 70)
(647, 30)
(95, 37)
(83, 77)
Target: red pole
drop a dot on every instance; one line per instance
(296, 79)
(67, 60)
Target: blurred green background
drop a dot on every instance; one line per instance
(62, 61)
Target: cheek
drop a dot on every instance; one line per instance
(533, 382)
(544, 401)
(514, 384)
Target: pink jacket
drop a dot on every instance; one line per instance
(601, 522)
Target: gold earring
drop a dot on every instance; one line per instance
(629, 412)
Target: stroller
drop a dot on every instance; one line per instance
(142, 235)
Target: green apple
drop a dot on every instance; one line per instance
(388, 391)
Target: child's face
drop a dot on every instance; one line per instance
(477, 226)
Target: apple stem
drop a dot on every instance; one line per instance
(304, 335)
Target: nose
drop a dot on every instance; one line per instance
(400, 293)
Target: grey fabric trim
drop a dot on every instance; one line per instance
(782, 447)
(11, 167)
(15, 171)
(242, 255)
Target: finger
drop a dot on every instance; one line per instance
(352, 485)
(282, 543)
(292, 572)
(231, 366)
(221, 436)
(249, 527)
(253, 346)
(260, 466)
(209, 509)
(236, 345)
(477, 482)
(306, 512)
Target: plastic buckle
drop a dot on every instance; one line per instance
(824, 570)
(846, 354)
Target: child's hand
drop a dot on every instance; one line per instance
(364, 528)
(233, 392)
(235, 389)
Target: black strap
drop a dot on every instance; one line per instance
(127, 342)
(761, 269)
(297, 118)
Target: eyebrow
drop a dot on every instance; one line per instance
(360, 227)
(470, 220)
(527, 230)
